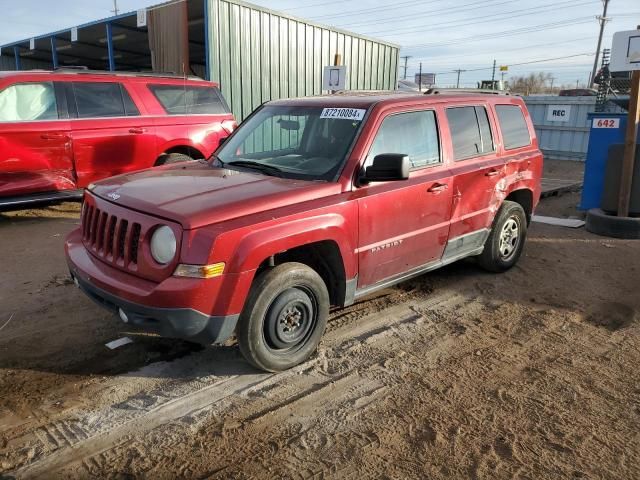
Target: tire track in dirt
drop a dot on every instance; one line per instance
(233, 378)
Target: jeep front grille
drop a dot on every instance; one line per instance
(109, 237)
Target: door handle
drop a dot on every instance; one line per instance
(54, 136)
(492, 173)
(437, 188)
(137, 130)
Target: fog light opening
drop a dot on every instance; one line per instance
(123, 316)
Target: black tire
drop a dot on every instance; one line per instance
(168, 158)
(601, 223)
(502, 253)
(284, 317)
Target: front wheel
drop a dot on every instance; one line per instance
(284, 317)
(506, 240)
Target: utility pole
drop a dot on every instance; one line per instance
(552, 79)
(406, 58)
(459, 71)
(420, 77)
(493, 75)
(602, 19)
(115, 8)
(577, 83)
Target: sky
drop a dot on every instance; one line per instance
(557, 37)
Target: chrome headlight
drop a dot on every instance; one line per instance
(163, 245)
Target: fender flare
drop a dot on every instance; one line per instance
(259, 245)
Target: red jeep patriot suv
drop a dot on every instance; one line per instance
(312, 202)
(62, 130)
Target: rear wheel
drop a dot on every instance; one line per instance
(284, 317)
(168, 158)
(506, 240)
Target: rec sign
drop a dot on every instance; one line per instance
(558, 113)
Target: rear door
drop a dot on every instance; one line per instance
(109, 134)
(195, 115)
(35, 147)
(403, 225)
(478, 172)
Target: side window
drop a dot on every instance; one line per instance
(182, 100)
(485, 130)
(24, 102)
(470, 132)
(99, 99)
(515, 132)
(413, 133)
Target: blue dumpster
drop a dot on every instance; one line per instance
(605, 130)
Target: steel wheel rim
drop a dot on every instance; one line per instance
(289, 326)
(509, 240)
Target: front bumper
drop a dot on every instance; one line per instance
(169, 322)
(203, 310)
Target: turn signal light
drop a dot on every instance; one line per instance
(199, 271)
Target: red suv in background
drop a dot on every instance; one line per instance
(62, 130)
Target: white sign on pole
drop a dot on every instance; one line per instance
(32, 44)
(141, 18)
(625, 51)
(558, 113)
(74, 34)
(334, 77)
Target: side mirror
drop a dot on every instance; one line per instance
(388, 167)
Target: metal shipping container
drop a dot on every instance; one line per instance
(257, 54)
(562, 140)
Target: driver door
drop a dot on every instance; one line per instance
(404, 225)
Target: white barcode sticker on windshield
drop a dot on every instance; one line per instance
(343, 113)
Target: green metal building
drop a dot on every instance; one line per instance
(256, 54)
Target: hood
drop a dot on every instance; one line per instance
(196, 194)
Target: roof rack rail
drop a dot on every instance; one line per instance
(436, 91)
(78, 69)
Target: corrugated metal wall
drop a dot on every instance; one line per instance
(562, 140)
(258, 55)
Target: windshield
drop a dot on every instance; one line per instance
(308, 143)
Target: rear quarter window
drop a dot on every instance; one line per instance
(185, 100)
(515, 132)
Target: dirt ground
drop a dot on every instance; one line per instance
(530, 374)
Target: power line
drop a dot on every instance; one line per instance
(459, 8)
(362, 11)
(544, 60)
(312, 5)
(448, 57)
(477, 20)
(506, 33)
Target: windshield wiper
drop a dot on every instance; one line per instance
(268, 169)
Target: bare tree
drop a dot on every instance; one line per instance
(530, 84)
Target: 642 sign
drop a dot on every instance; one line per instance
(606, 123)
